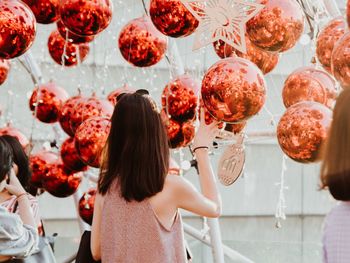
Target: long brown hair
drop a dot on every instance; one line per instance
(335, 170)
(137, 151)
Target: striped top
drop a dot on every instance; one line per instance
(336, 236)
(131, 232)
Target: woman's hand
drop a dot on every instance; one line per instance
(14, 186)
(206, 133)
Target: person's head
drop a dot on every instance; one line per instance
(5, 162)
(335, 170)
(137, 151)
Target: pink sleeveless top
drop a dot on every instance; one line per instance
(132, 233)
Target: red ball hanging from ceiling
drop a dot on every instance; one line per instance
(70, 156)
(4, 70)
(72, 38)
(86, 206)
(66, 53)
(86, 17)
(17, 28)
(141, 44)
(341, 61)
(113, 96)
(46, 102)
(45, 11)
(67, 112)
(39, 164)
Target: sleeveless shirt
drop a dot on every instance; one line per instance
(132, 233)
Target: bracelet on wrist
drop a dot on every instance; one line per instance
(200, 147)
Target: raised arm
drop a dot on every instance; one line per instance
(96, 228)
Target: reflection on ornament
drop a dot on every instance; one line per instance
(73, 38)
(4, 70)
(86, 206)
(179, 98)
(302, 131)
(17, 28)
(172, 18)
(70, 156)
(278, 27)
(86, 17)
(112, 97)
(327, 39)
(233, 90)
(65, 53)
(39, 164)
(48, 105)
(45, 11)
(141, 43)
(9, 130)
(341, 61)
(180, 134)
(309, 84)
(67, 112)
(222, 20)
(90, 139)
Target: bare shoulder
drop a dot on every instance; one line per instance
(177, 183)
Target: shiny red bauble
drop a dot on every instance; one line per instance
(348, 12)
(233, 90)
(46, 102)
(86, 206)
(59, 181)
(66, 53)
(113, 96)
(45, 11)
(86, 17)
(180, 134)
(4, 70)
(278, 27)
(172, 18)
(180, 98)
(12, 131)
(341, 61)
(90, 107)
(39, 164)
(90, 139)
(302, 131)
(17, 28)
(141, 44)
(72, 38)
(70, 156)
(66, 113)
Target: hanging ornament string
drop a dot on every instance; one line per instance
(144, 7)
(281, 204)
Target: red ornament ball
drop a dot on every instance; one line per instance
(48, 104)
(66, 53)
(302, 130)
(278, 27)
(113, 96)
(141, 44)
(45, 11)
(180, 134)
(86, 17)
(172, 18)
(39, 164)
(17, 28)
(70, 156)
(222, 49)
(327, 39)
(9, 130)
(72, 38)
(207, 116)
(4, 70)
(86, 206)
(341, 61)
(235, 128)
(309, 84)
(90, 139)
(233, 90)
(59, 181)
(90, 107)
(179, 98)
(66, 113)
(348, 12)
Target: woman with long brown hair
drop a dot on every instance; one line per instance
(335, 176)
(136, 216)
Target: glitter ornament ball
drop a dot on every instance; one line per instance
(86, 206)
(278, 27)
(12, 131)
(341, 61)
(90, 138)
(309, 84)
(113, 96)
(86, 17)
(47, 101)
(348, 12)
(66, 53)
(45, 11)
(179, 98)
(17, 28)
(67, 112)
(4, 70)
(233, 90)
(72, 38)
(141, 44)
(172, 18)
(302, 131)
(327, 39)
(222, 49)
(90, 107)
(39, 164)
(70, 156)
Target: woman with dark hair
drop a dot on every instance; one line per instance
(22, 170)
(335, 176)
(136, 216)
(18, 233)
